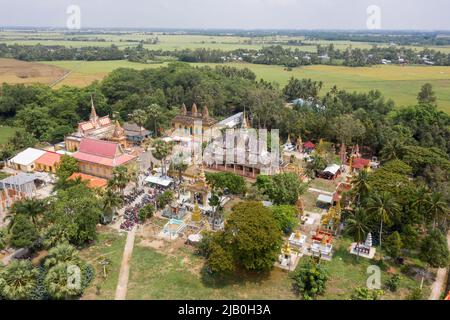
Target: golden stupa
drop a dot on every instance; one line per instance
(196, 214)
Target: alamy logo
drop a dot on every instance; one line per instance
(374, 17)
(73, 277)
(374, 280)
(74, 19)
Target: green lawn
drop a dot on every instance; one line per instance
(178, 275)
(6, 133)
(109, 245)
(347, 272)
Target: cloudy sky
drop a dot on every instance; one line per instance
(233, 14)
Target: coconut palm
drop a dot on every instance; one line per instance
(120, 179)
(139, 117)
(56, 283)
(384, 207)
(436, 208)
(392, 150)
(111, 201)
(420, 198)
(357, 224)
(155, 116)
(360, 185)
(31, 208)
(18, 281)
(161, 151)
(63, 252)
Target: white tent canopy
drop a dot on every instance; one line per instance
(159, 180)
(325, 199)
(332, 168)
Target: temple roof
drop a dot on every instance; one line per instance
(102, 152)
(188, 118)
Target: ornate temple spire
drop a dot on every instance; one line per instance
(244, 124)
(93, 117)
(202, 175)
(194, 110)
(183, 110)
(118, 130)
(205, 112)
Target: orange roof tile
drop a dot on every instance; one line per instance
(49, 158)
(93, 182)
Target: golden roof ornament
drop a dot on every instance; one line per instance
(205, 112)
(183, 110)
(194, 110)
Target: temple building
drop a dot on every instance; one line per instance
(244, 155)
(194, 125)
(99, 158)
(96, 127)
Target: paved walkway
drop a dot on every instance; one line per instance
(439, 284)
(122, 283)
(321, 191)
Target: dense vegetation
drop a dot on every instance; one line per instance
(269, 55)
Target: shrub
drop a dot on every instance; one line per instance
(310, 280)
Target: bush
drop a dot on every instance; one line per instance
(310, 280)
(415, 294)
(146, 213)
(393, 245)
(393, 283)
(363, 293)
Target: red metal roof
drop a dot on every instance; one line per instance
(102, 152)
(360, 163)
(49, 159)
(309, 145)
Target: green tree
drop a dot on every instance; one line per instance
(164, 199)
(393, 245)
(220, 260)
(393, 283)
(75, 214)
(253, 236)
(111, 201)
(437, 209)
(357, 224)
(434, 249)
(360, 186)
(139, 117)
(120, 179)
(363, 293)
(161, 151)
(384, 207)
(23, 232)
(286, 217)
(56, 281)
(284, 188)
(18, 280)
(426, 95)
(309, 280)
(63, 252)
(67, 166)
(31, 208)
(146, 213)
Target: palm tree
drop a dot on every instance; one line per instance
(420, 198)
(31, 208)
(18, 281)
(357, 224)
(360, 185)
(120, 179)
(393, 150)
(384, 207)
(111, 201)
(436, 208)
(161, 152)
(154, 114)
(63, 252)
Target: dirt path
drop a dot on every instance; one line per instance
(122, 283)
(439, 284)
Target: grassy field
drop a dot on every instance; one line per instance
(109, 245)
(176, 274)
(398, 83)
(6, 133)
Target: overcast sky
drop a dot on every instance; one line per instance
(233, 14)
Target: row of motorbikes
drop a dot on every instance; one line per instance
(131, 214)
